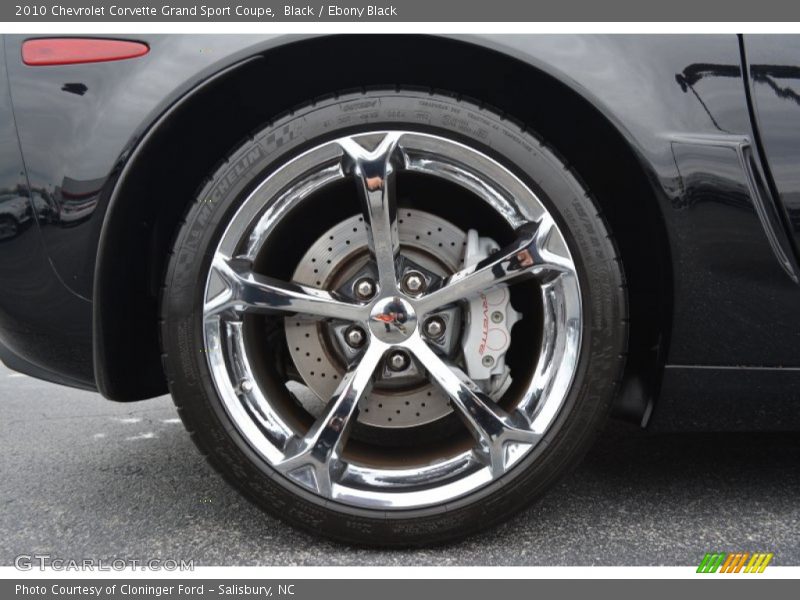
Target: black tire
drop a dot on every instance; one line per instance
(603, 298)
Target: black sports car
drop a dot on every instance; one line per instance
(396, 284)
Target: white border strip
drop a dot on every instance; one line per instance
(263, 27)
(426, 572)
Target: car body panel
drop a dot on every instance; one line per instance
(37, 325)
(678, 101)
(774, 75)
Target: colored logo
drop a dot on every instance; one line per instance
(735, 562)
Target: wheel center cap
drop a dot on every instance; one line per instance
(392, 320)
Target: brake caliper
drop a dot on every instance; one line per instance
(490, 318)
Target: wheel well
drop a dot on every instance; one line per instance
(208, 125)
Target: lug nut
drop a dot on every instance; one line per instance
(398, 361)
(434, 327)
(364, 288)
(355, 337)
(487, 361)
(413, 282)
(246, 386)
(497, 316)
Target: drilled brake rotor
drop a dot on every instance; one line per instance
(340, 253)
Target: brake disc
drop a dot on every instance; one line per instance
(339, 254)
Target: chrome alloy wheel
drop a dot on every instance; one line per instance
(392, 320)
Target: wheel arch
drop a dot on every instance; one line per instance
(154, 190)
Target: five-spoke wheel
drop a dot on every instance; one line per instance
(389, 313)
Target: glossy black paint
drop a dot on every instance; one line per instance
(774, 77)
(75, 146)
(680, 103)
(722, 262)
(42, 322)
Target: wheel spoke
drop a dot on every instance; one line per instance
(375, 173)
(492, 427)
(315, 459)
(249, 292)
(525, 258)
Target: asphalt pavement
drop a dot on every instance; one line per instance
(83, 477)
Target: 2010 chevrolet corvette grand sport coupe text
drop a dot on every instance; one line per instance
(397, 284)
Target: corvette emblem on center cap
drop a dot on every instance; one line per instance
(392, 320)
